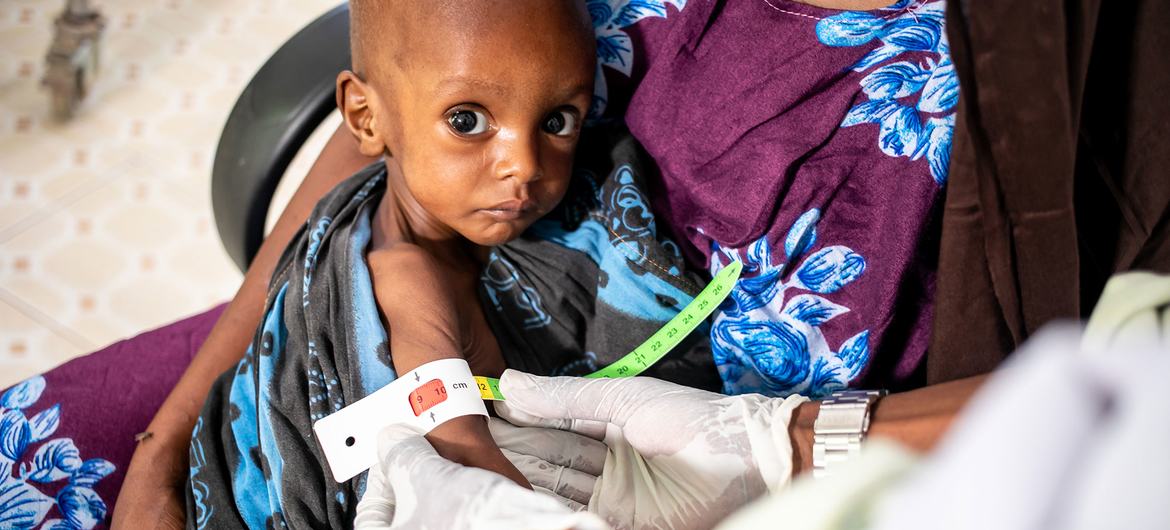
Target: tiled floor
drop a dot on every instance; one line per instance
(105, 221)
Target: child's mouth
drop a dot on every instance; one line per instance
(510, 210)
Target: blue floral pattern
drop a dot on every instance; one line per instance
(614, 48)
(622, 233)
(911, 87)
(57, 463)
(315, 238)
(632, 226)
(199, 490)
(503, 285)
(767, 336)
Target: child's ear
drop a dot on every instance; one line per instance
(358, 105)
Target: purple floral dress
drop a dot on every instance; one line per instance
(812, 145)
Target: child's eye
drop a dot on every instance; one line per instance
(468, 122)
(560, 123)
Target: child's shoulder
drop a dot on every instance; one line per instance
(410, 284)
(402, 260)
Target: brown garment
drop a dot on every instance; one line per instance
(1060, 169)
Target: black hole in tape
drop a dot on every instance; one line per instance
(350, 441)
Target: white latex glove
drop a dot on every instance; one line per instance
(413, 487)
(677, 457)
(561, 463)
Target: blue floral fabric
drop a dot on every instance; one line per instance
(617, 242)
(767, 336)
(615, 48)
(320, 346)
(815, 156)
(910, 81)
(795, 322)
(38, 473)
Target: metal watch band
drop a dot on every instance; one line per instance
(840, 427)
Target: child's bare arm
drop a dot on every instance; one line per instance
(421, 312)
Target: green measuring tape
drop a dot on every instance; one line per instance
(661, 342)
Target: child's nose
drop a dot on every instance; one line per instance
(518, 156)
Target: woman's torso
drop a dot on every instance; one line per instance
(811, 144)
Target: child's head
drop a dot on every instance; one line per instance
(479, 102)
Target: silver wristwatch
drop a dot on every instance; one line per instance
(840, 427)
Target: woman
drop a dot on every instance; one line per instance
(1015, 249)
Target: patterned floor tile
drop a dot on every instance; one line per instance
(105, 221)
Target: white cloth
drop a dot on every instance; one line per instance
(1058, 439)
(1132, 310)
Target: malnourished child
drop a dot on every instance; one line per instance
(475, 108)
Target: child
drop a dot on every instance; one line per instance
(476, 107)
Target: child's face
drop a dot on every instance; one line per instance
(483, 114)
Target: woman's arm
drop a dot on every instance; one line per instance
(917, 419)
(152, 490)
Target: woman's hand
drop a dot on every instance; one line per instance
(152, 495)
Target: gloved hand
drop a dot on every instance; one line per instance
(413, 487)
(677, 457)
(560, 463)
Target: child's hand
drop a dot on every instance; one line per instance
(413, 487)
(467, 440)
